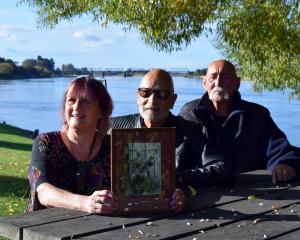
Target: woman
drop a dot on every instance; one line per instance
(70, 168)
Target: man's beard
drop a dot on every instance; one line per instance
(155, 115)
(218, 94)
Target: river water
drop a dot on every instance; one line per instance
(35, 103)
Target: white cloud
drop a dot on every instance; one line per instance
(8, 14)
(88, 38)
(85, 36)
(12, 27)
(6, 35)
(10, 32)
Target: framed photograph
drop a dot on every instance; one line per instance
(143, 169)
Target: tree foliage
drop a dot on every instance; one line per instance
(46, 63)
(36, 68)
(264, 40)
(41, 67)
(69, 69)
(260, 36)
(6, 69)
(29, 63)
(30, 68)
(165, 25)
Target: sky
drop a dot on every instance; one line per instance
(86, 44)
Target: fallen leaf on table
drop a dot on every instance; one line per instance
(251, 197)
(257, 220)
(193, 191)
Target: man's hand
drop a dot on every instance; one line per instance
(282, 173)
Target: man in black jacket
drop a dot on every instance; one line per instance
(198, 160)
(244, 130)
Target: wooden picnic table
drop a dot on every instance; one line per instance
(253, 208)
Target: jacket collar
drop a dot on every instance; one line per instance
(170, 121)
(205, 104)
(204, 108)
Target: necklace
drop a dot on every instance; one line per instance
(91, 147)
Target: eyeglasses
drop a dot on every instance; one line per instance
(91, 77)
(159, 94)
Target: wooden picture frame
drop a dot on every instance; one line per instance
(143, 169)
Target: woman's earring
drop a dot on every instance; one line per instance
(98, 125)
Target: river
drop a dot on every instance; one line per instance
(35, 103)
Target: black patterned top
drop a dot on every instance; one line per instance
(53, 163)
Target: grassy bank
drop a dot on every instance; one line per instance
(15, 154)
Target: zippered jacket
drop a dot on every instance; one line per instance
(248, 135)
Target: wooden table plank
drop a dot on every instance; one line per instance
(12, 226)
(241, 179)
(233, 193)
(252, 176)
(270, 225)
(68, 229)
(294, 235)
(188, 224)
(75, 228)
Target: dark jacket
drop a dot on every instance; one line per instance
(248, 134)
(198, 161)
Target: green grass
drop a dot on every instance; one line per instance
(15, 154)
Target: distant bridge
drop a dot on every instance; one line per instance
(127, 72)
(115, 69)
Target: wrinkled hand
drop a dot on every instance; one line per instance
(101, 202)
(283, 173)
(178, 200)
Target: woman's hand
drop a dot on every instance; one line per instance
(178, 201)
(102, 202)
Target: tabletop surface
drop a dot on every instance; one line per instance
(253, 208)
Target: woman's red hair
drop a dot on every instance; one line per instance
(88, 85)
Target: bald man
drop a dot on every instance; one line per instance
(198, 160)
(245, 130)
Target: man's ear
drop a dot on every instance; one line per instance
(173, 100)
(137, 98)
(238, 82)
(204, 83)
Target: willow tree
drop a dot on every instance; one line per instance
(261, 37)
(264, 40)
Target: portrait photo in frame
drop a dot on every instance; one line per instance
(143, 169)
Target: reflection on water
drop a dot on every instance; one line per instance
(35, 103)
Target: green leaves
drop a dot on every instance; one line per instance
(261, 37)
